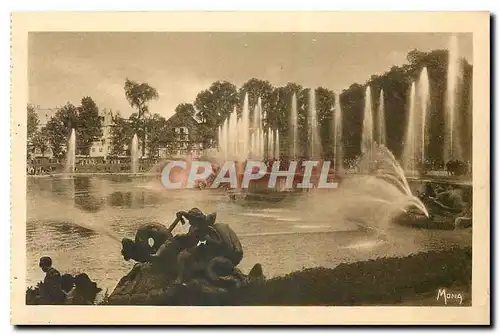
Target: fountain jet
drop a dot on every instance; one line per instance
(134, 154)
(240, 139)
(270, 146)
(423, 83)
(233, 135)
(71, 153)
(452, 147)
(277, 145)
(382, 136)
(367, 134)
(314, 139)
(260, 131)
(409, 149)
(293, 128)
(245, 129)
(337, 138)
(374, 198)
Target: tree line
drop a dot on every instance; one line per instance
(396, 84)
(55, 134)
(213, 105)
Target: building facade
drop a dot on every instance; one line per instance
(185, 136)
(102, 147)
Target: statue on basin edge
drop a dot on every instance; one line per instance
(209, 250)
(140, 248)
(449, 201)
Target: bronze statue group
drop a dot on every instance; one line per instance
(209, 249)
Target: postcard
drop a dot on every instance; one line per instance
(256, 168)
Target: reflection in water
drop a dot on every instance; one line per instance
(79, 221)
(65, 228)
(127, 199)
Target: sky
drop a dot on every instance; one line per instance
(64, 67)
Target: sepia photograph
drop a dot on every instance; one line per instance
(269, 168)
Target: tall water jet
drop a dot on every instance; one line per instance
(71, 153)
(238, 145)
(219, 138)
(293, 128)
(233, 135)
(245, 128)
(367, 134)
(221, 141)
(314, 139)
(270, 144)
(409, 149)
(423, 85)
(236, 138)
(230, 134)
(382, 136)
(467, 149)
(277, 145)
(337, 140)
(225, 131)
(261, 144)
(452, 147)
(134, 154)
(240, 138)
(258, 144)
(257, 125)
(253, 136)
(253, 144)
(255, 120)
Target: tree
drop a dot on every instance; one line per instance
(138, 96)
(325, 100)
(279, 117)
(89, 125)
(58, 128)
(186, 108)
(257, 88)
(213, 106)
(415, 56)
(137, 128)
(169, 141)
(156, 130)
(352, 103)
(40, 142)
(31, 122)
(31, 125)
(121, 135)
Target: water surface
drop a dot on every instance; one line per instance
(68, 219)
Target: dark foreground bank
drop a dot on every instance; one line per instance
(384, 281)
(411, 280)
